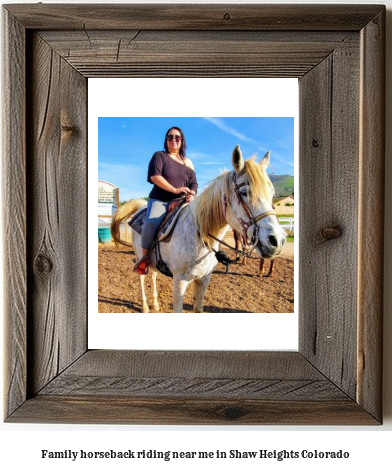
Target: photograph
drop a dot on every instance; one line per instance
(202, 214)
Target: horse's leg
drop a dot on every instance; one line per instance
(271, 269)
(237, 242)
(144, 298)
(155, 304)
(179, 287)
(200, 290)
(261, 269)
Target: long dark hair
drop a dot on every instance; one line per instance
(183, 141)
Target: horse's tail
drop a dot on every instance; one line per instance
(123, 213)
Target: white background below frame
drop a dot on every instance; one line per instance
(250, 97)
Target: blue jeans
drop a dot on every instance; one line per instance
(156, 211)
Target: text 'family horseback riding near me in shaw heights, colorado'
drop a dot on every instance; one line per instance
(152, 454)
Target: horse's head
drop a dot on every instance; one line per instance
(249, 193)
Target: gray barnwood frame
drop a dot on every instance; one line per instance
(337, 54)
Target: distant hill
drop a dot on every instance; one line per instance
(283, 184)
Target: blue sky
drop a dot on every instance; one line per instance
(126, 144)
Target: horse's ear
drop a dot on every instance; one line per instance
(237, 160)
(265, 160)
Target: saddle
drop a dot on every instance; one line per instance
(176, 207)
(167, 225)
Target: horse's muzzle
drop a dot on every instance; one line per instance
(271, 247)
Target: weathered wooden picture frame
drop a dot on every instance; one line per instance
(337, 53)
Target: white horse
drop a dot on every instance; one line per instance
(241, 199)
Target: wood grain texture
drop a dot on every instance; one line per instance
(197, 53)
(208, 364)
(335, 378)
(201, 387)
(192, 387)
(205, 374)
(328, 268)
(14, 200)
(371, 216)
(103, 409)
(57, 207)
(194, 17)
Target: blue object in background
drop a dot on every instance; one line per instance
(104, 234)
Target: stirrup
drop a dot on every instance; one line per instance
(141, 267)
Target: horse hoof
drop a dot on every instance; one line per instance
(145, 309)
(155, 308)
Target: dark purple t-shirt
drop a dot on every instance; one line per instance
(175, 173)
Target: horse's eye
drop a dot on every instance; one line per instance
(243, 192)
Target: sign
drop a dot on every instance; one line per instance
(107, 192)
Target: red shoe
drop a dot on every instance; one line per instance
(141, 266)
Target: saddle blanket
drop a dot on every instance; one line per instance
(168, 223)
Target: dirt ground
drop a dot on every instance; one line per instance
(241, 291)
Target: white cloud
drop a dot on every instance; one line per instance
(226, 128)
(214, 163)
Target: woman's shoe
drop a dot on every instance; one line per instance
(141, 267)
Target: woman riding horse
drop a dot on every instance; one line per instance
(240, 198)
(172, 174)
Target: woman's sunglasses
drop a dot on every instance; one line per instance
(177, 138)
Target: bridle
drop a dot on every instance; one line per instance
(252, 220)
(244, 224)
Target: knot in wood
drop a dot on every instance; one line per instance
(43, 264)
(232, 413)
(315, 143)
(68, 128)
(227, 16)
(328, 233)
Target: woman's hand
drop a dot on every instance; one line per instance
(183, 189)
(190, 196)
(162, 183)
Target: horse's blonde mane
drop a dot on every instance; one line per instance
(209, 210)
(259, 182)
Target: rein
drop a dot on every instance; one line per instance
(224, 259)
(239, 252)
